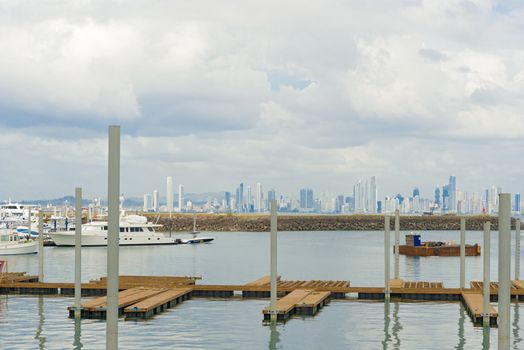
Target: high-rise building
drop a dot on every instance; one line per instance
(155, 200)
(258, 198)
(169, 194)
(306, 198)
(373, 195)
(147, 202)
(239, 198)
(271, 194)
(452, 193)
(517, 203)
(181, 206)
(416, 192)
(227, 197)
(437, 197)
(445, 197)
(249, 199)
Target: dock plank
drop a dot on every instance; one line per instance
(288, 303)
(474, 302)
(157, 300)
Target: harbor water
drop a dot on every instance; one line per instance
(29, 322)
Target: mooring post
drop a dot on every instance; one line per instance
(397, 242)
(387, 242)
(40, 245)
(78, 250)
(462, 253)
(486, 269)
(273, 301)
(29, 231)
(517, 249)
(504, 270)
(113, 196)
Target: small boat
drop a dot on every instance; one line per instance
(12, 244)
(196, 240)
(415, 247)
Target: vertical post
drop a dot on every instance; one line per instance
(387, 240)
(40, 246)
(112, 237)
(29, 221)
(273, 302)
(504, 270)
(462, 253)
(486, 268)
(517, 249)
(397, 242)
(78, 250)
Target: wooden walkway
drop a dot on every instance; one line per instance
(156, 304)
(135, 289)
(300, 301)
(474, 303)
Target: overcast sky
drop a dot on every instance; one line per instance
(286, 93)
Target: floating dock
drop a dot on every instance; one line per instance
(156, 304)
(300, 301)
(145, 287)
(474, 303)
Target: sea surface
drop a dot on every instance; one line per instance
(32, 322)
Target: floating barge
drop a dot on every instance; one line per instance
(414, 247)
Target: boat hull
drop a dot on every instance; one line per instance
(445, 250)
(66, 239)
(19, 248)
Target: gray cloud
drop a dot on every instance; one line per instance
(290, 94)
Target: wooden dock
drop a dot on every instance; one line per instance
(97, 308)
(135, 289)
(300, 301)
(474, 304)
(156, 304)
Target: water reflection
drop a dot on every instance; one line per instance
(77, 343)
(397, 327)
(387, 319)
(461, 321)
(485, 337)
(413, 267)
(516, 329)
(41, 319)
(274, 337)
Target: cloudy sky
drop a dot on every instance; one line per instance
(287, 93)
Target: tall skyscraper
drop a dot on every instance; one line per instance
(445, 197)
(306, 198)
(258, 198)
(271, 194)
(452, 193)
(147, 202)
(517, 203)
(373, 196)
(227, 197)
(169, 194)
(181, 204)
(239, 198)
(437, 197)
(249, 199)
(416, 192)
(155, 200)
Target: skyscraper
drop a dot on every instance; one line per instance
(416, 192)
(517, 202)
(181, 205)
(147, 202)
(306, 198)
(271, 194)
(437, 197)
(227, 197)
(452, 193)
(169, 194)
(155, 200)
(373, 194)
(258, 197)
(249, 199)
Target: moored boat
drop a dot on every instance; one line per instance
(12, 244)
(415, 247)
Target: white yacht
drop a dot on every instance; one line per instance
(12, 244)
(134, 230)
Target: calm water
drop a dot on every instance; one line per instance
(28, 322)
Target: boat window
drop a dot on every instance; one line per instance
(105, 228)
(122, 229)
